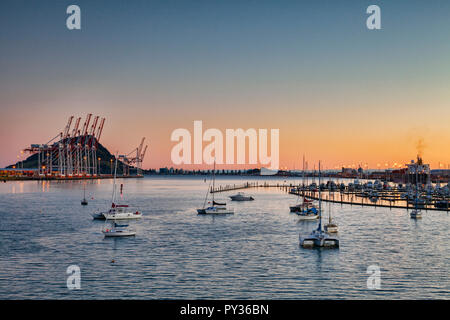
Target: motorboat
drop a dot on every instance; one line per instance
(240, 196)
(118, 230)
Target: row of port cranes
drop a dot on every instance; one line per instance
(71, 152)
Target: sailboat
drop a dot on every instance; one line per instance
(416, 213)
(216, 208)
(330, 227)
(318, 237)
(84, 201)
(117, 211)
(118, 230)
(305, 209)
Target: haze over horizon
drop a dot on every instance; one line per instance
(337, 91)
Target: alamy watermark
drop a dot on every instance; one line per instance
(374, 280)
(74, 278)
(189, 150)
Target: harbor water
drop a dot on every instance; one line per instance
(177, 254)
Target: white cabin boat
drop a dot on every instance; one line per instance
(118, 230)
(122, 212)
(240, 196)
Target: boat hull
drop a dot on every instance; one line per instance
(214, 212)
(116, 234)
(123, 216)
(237, 198)
(331, 229)
(319, 242)
(98, 216)
(308, 217)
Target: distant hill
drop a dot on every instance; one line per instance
(102, 153)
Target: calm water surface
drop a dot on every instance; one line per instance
(177, 254)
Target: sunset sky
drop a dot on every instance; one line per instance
(336, 90)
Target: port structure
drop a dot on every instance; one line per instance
(71, 152)
(134, 159)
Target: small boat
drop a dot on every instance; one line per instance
(84, 201)
(302, 206)
(216, 208)
(118, 230)
(98, 216)
(442, 204)
(416, 214)
(330, 227)
(308, 214)
(240, 196)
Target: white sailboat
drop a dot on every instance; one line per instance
(330, 227)
(117, 211)
(118, 230)
(318, 237)
(216, 208)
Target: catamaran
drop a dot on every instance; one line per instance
(318, 237)
(216, 208)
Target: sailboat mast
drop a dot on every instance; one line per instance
(114, 185)
(303, 173)
(214, 180)
(320, 201)
(417, 186)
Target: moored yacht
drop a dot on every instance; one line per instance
(118, 230)
(121, 212)
(216, 208)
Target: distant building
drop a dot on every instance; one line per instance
(420, 170)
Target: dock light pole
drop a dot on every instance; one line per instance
(111, 161)
(98, 173)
